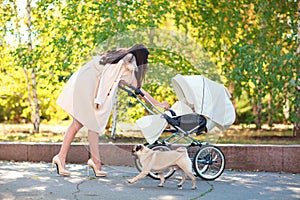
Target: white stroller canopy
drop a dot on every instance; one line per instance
(195, 94)
(207, 98)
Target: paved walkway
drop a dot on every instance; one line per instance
(25, 180)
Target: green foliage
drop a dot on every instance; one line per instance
(251, 44)
(254, 43)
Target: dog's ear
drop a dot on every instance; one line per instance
(139, 147)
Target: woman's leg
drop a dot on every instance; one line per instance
(68, 138)
(93, 138)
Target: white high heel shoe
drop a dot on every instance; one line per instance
(60, 169)
(98, 173)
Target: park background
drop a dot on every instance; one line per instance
(252, 47)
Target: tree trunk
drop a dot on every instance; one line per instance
(296, 129)
(23, 67)
(35, 108)
(36, 114)
(270, 111)
(256, 109)
(231, 91)
(258, 116)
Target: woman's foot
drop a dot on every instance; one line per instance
(60, 169)
(98, 173)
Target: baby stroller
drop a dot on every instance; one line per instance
(203, 106)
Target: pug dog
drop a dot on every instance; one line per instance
(160, 161)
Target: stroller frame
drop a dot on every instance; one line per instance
(208, 160)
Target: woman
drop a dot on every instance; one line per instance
(88, 98)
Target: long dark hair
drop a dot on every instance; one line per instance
(139, 51)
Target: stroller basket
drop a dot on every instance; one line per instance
(189, 122)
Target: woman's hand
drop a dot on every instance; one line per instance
(122, 82)
(165, 105)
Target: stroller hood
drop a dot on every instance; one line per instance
(207, 98)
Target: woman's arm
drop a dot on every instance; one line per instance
(164, 104)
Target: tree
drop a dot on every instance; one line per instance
(252, 42)
(296, 130)
(31, 83)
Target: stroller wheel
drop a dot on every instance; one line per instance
(209, 162)
(154, 175)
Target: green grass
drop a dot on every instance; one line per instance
(279, 134)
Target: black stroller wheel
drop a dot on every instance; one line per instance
(154, 175)
(209, 162)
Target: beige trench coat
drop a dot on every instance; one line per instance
(95, 83)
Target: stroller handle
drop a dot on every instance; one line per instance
(137, 91)
(172, 112)
(130, 93)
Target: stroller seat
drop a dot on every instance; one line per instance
(191, 123)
